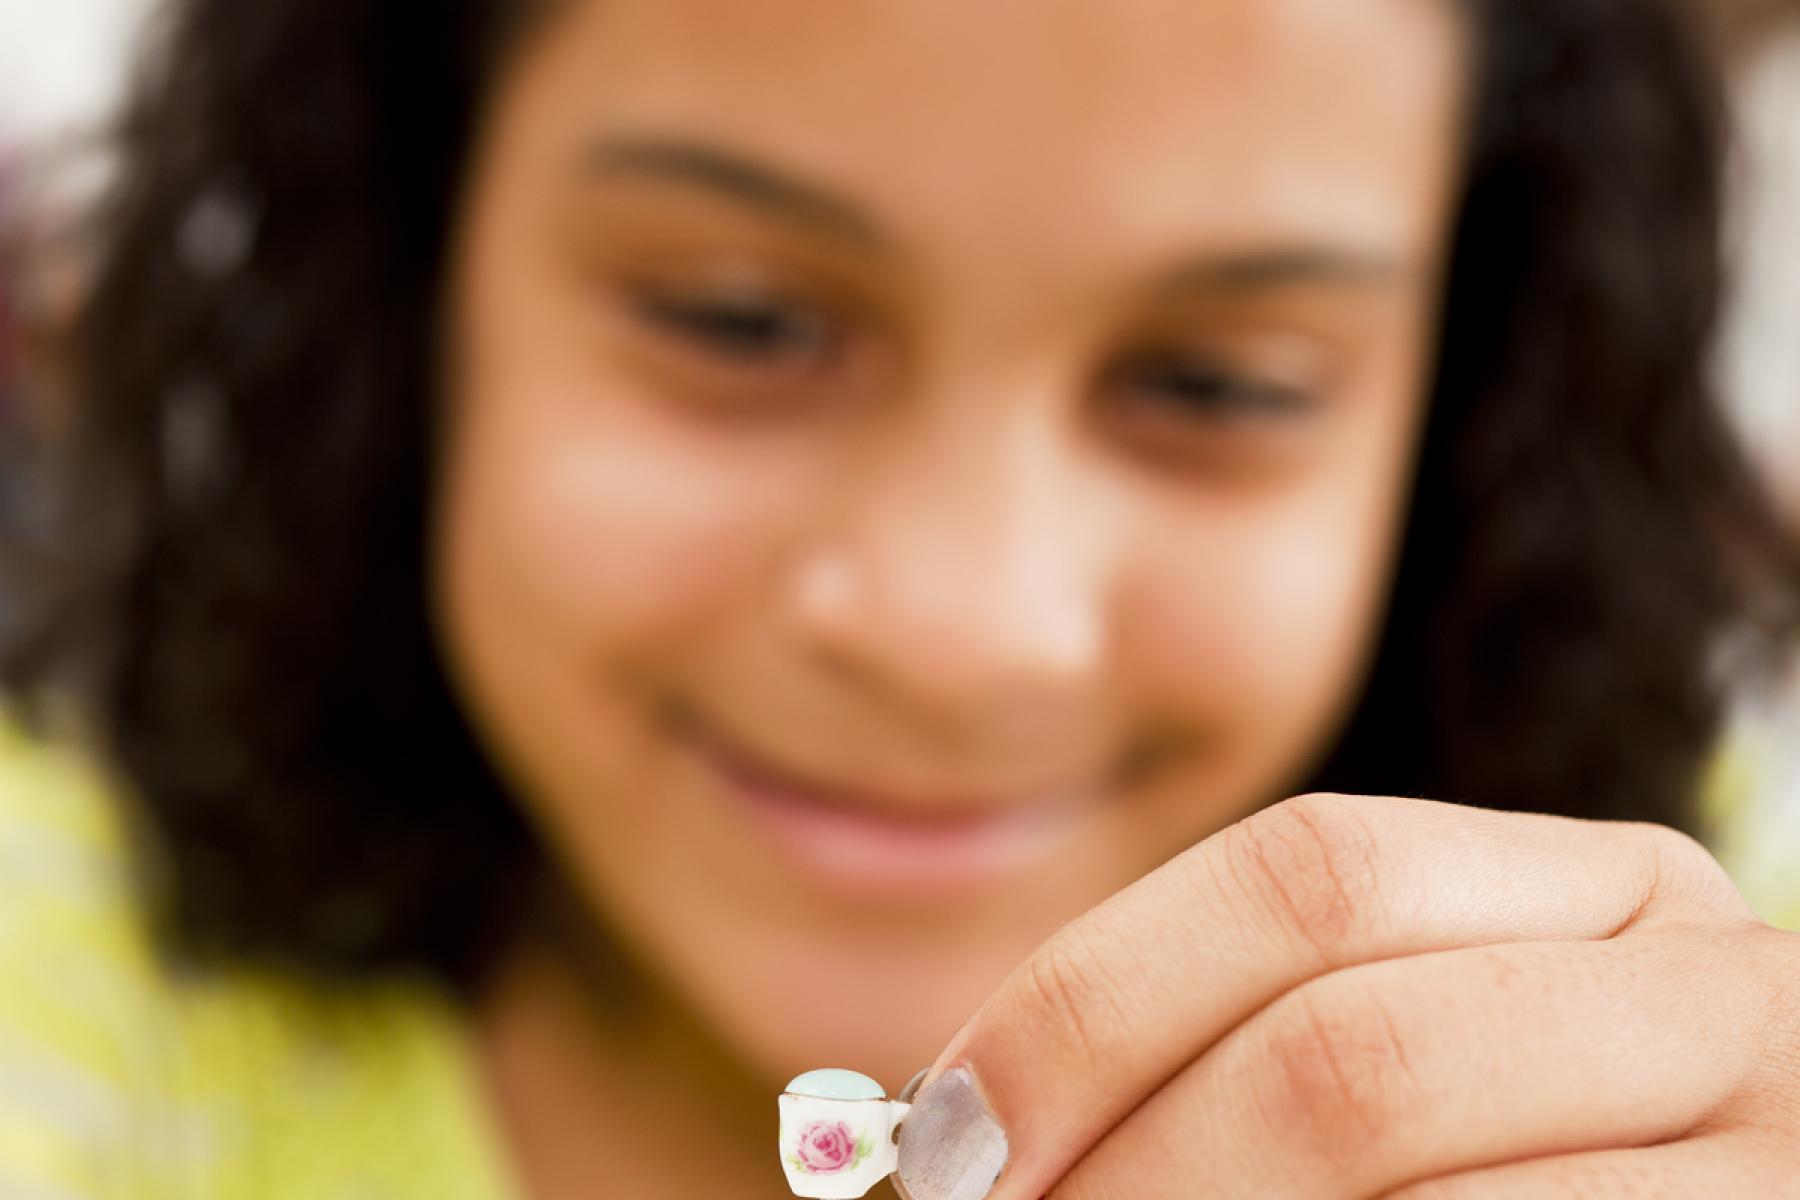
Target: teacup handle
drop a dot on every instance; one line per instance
(898, 1110)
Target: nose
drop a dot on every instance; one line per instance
(961, 572)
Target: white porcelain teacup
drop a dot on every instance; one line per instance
(837, 1134)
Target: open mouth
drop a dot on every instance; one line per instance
(866, 842)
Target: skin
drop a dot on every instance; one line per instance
(1380, 997)
(1055, 442)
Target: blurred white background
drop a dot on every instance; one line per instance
(61, 62)
(1759, 372)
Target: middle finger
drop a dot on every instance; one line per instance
(1384, 1074)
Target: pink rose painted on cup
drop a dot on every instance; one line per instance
(827, 1147)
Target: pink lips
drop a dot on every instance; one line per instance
(864, 845)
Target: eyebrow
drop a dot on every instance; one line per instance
(771, 191)
(795, 201)
(1285, 266)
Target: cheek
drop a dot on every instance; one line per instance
(1253, 617)
(587, 547)
(1258, 629)
(578, 513)
(606, 527)
(594, 518)
(1305, 598)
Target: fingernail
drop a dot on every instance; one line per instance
(951, 1147)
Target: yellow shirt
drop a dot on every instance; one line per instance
(119, 1082)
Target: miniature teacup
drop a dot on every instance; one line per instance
(837, 1134)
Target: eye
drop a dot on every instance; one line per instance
(1199, 389)
(741, 330)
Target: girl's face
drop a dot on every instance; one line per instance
(912, 466)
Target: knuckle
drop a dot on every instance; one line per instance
(1676, 849)
(1071, 999)
(1336, 1078)
(1311, 862)
(1681, 867)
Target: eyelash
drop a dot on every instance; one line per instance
(745, 333)
(1204, 389)
(769, 335)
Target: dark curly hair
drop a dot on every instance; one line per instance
(236, 594)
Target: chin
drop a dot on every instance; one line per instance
(806, 998)
(888, 1037)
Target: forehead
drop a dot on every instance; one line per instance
(1042, 119)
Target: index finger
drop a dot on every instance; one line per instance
(1118, 1001)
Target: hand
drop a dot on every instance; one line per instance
(1353, 997)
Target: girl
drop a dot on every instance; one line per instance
(617, 550)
